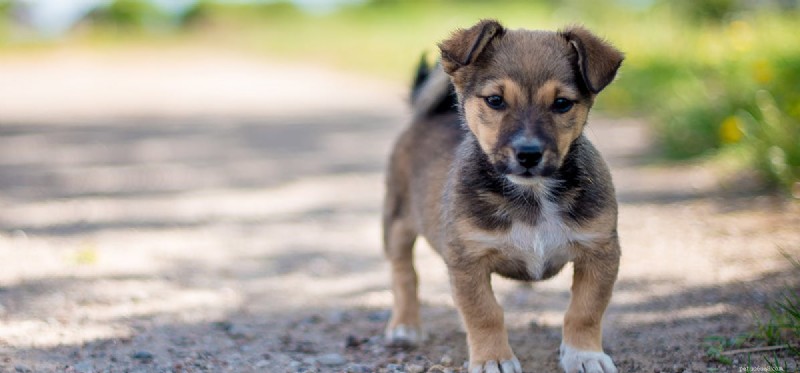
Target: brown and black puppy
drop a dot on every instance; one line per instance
(496, 174)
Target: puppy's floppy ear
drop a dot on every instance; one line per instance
(466, 45)
(598, 61)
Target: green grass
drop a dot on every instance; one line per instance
(716, 345)
(779, 329)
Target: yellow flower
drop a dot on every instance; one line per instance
(762, 71)
(740, 35)
(730, 130)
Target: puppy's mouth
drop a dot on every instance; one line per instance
(524, 180)
(521, 175)
(528, 175)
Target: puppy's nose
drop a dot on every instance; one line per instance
(529, 156)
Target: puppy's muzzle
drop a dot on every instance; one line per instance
(529, 155)
(528, 159)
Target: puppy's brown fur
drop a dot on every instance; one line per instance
(511, 188)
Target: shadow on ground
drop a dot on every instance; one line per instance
(252, 244)
(148, 156)
(306, 338)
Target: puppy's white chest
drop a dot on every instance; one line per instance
(544, 245)
(541, 246)
(541, 240)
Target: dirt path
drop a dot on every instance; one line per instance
(199, 212)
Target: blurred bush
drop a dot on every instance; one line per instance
(725, 85)
(126, 14)
(717, 78)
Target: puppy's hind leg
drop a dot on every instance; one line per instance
(404, 329)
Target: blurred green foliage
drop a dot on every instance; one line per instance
(125, 13)
(123, 16)
(722, 87)
(715, 77)
(5, 9)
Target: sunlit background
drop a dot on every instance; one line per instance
(717, 80)
(206, 175)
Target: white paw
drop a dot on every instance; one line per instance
(506, 366)
(405, 336)
(574, 360)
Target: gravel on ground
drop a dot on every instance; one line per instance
(199, 211)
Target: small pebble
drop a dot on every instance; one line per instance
(446, 360)
(353, 341)
(223, 325)
(394, 368)
(414, 368)
(144, 356)
(379, 316)
(305, 347)
(240, 332)
(357, 368)
(331, 359)
(21, 369)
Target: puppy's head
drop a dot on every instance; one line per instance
(525, 95)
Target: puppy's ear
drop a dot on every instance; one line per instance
(598, 61)
(466, 45)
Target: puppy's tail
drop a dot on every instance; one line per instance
(432, 92)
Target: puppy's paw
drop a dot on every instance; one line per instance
(493, 366)
(405, 336)
(574, 360)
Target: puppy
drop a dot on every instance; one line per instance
(495, 173)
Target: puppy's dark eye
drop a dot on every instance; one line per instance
(495, 102)
(562, 105)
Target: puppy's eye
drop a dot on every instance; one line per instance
(495, 102)
(562, 105)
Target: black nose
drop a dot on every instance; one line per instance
(529, 156)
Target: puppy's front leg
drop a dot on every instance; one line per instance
(592, 284)
(487, 338)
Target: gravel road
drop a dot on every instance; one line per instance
(201, 211)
